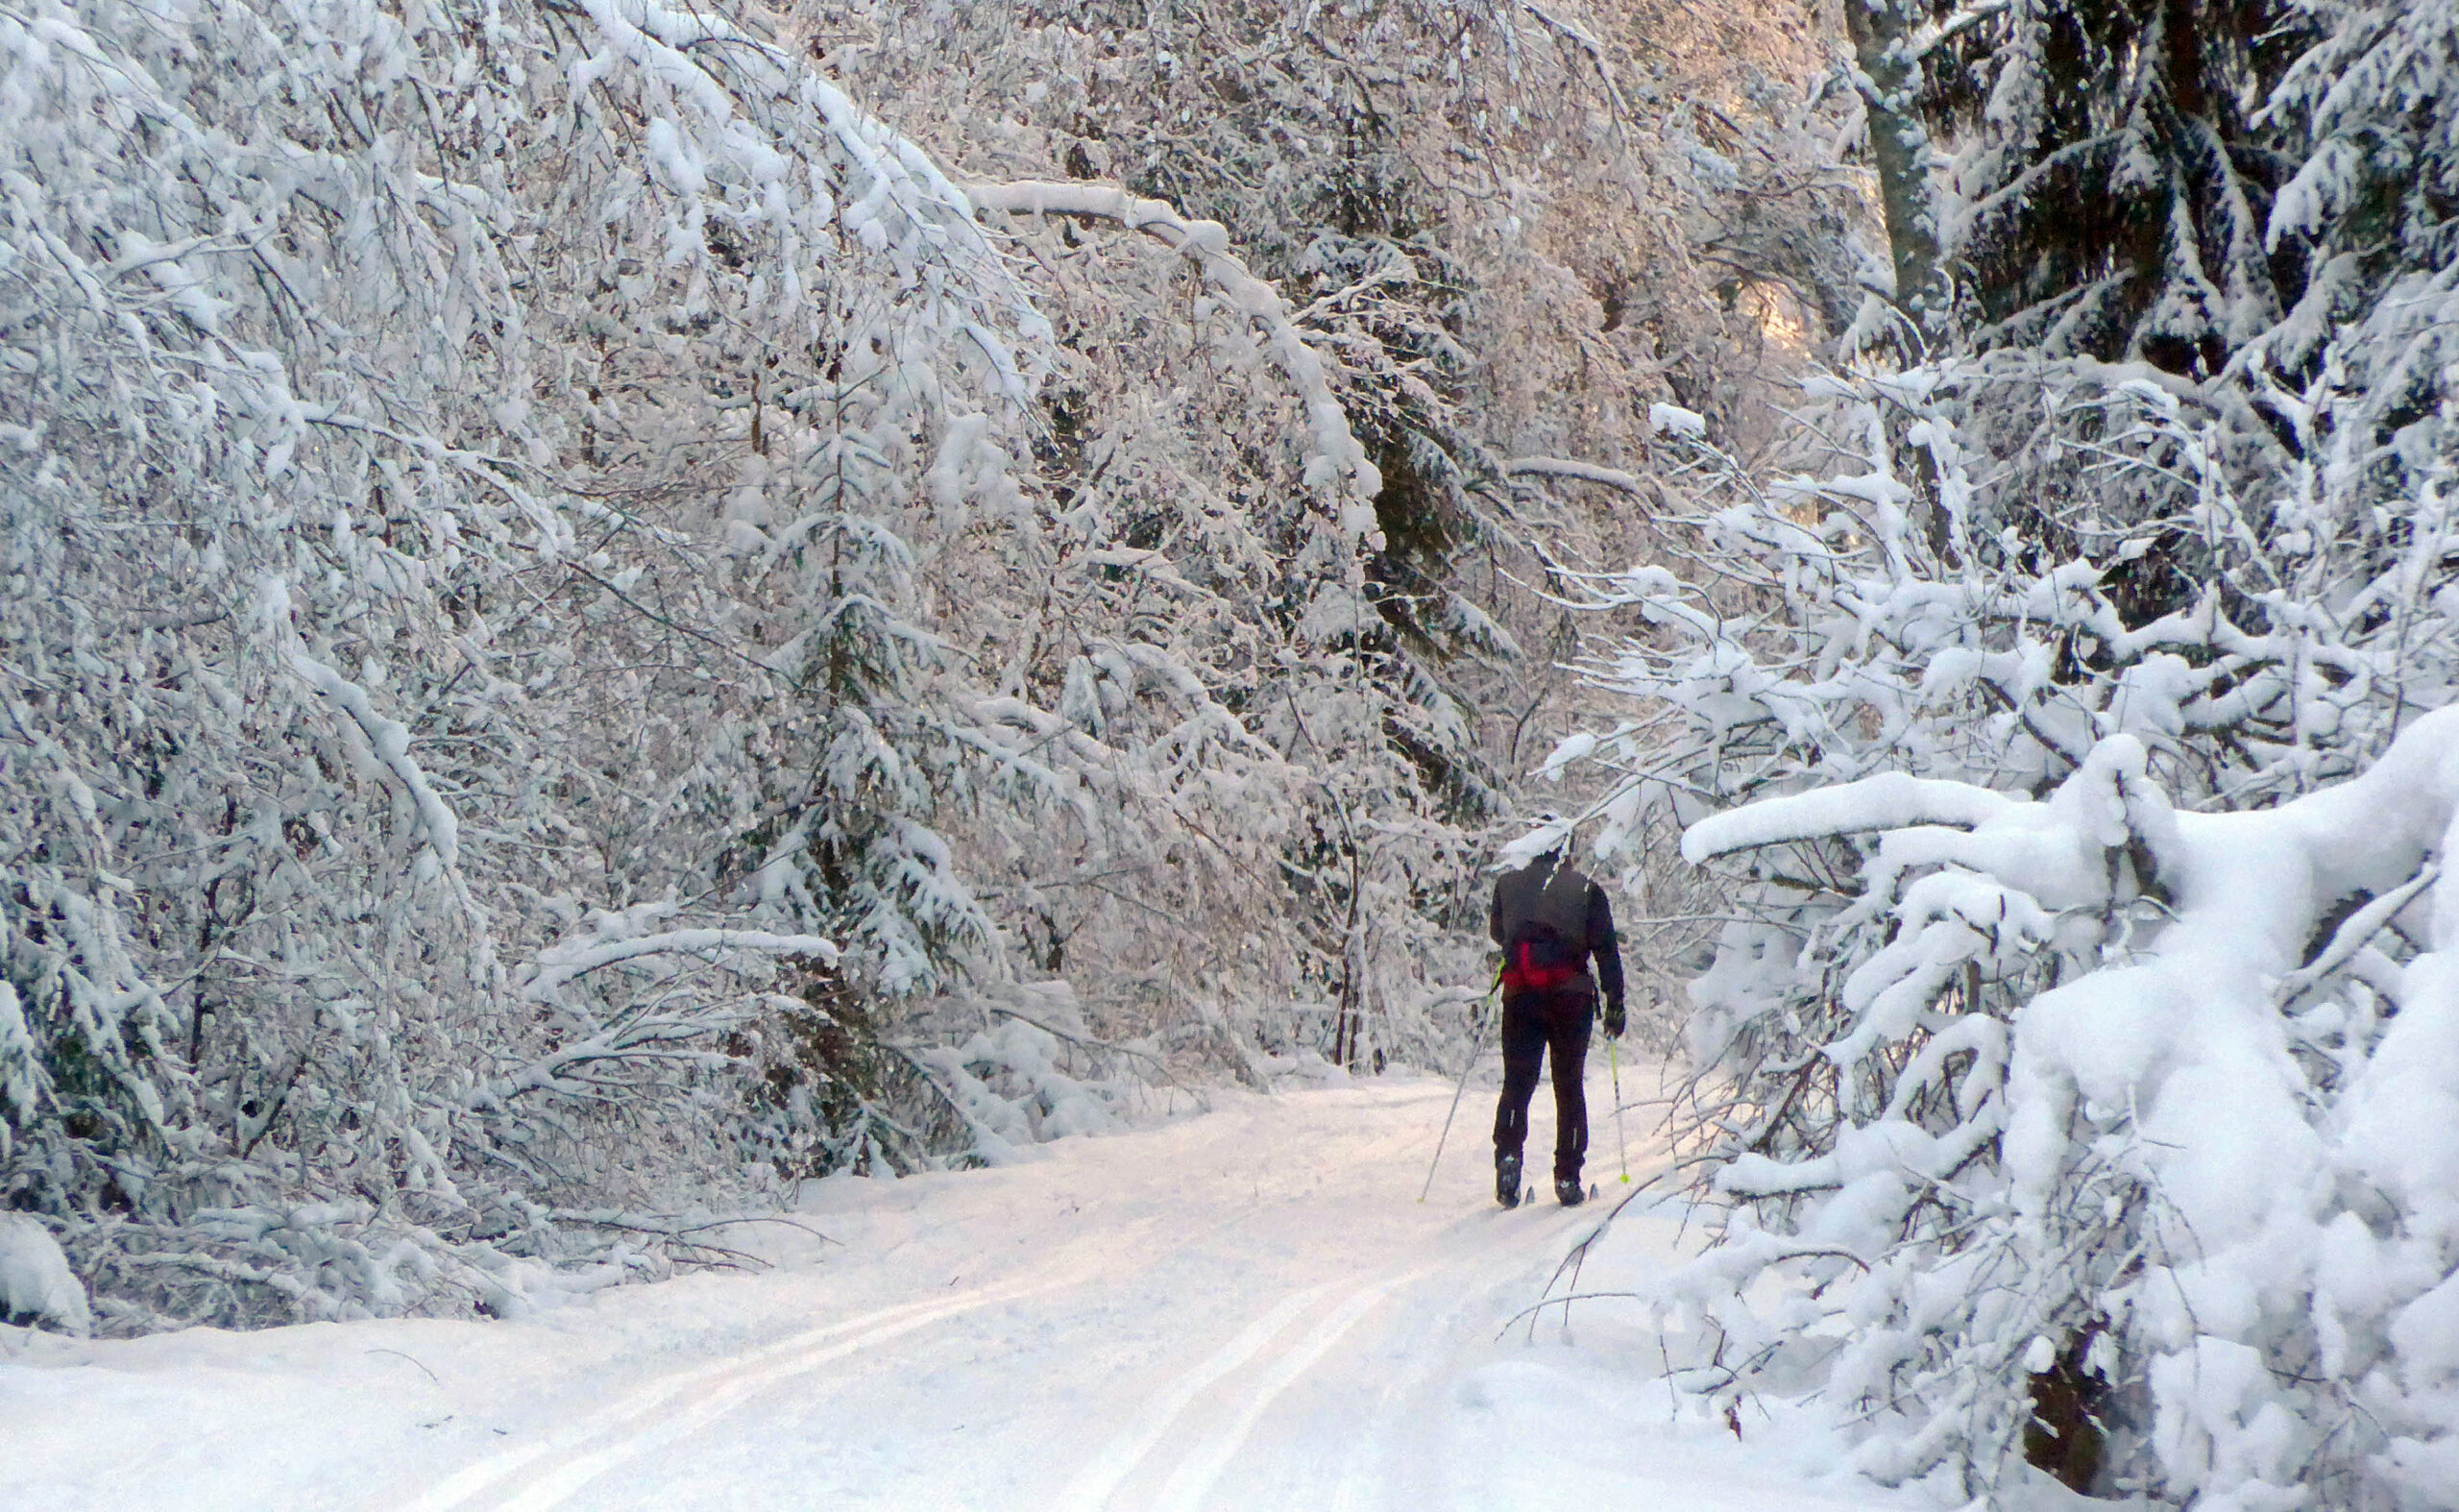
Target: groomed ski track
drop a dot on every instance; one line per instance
(1246, 1308)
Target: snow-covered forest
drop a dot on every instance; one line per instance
(613, 605)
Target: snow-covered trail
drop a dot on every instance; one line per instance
(1245, 1308)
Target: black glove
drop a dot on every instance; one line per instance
(1613, 1020)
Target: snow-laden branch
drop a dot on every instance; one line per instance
(1586, 40)
(1925, 40)
(388, 738)
(569, 960)
(628, 1034)
(1335, 457)
(2355, 935)
(1582, 472)
(1890, 800)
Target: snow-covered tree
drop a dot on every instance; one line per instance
(349, 666)
(2065, 730)
(2111, 171)
(1353, 154)
(2081, 938)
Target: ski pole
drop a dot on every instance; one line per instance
(1614, 1059)
(1474, 1050)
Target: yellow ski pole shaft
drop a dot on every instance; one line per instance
(1614, 1059)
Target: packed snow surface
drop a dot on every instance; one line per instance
(1242, 1308)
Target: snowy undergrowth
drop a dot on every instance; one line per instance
(1033, 1071)
(2078, 1035)
(2216, 1168)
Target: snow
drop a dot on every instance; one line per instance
(1672, 420)
(35, 1283)
(1245, 1307)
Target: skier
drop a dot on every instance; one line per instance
(1549, 921)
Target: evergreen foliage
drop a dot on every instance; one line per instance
(2115, 176)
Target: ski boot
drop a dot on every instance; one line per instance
(1507, 1179)
(1569, 1191)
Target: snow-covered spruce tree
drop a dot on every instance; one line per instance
(2214, 194)
(2075, 970)
(2363, 350)
(2111, 171)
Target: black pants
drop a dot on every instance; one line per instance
(1534, 1023)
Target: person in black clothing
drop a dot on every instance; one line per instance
(1550, 922)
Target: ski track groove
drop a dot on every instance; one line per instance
(634, 1424)
(1357, 1484)
(734, 1378)
(1200, 1470)
(1196, 1470)
(1093, 1485)
(558, 1485)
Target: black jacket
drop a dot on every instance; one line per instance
(1550, 897)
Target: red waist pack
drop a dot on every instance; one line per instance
(1524, 972)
